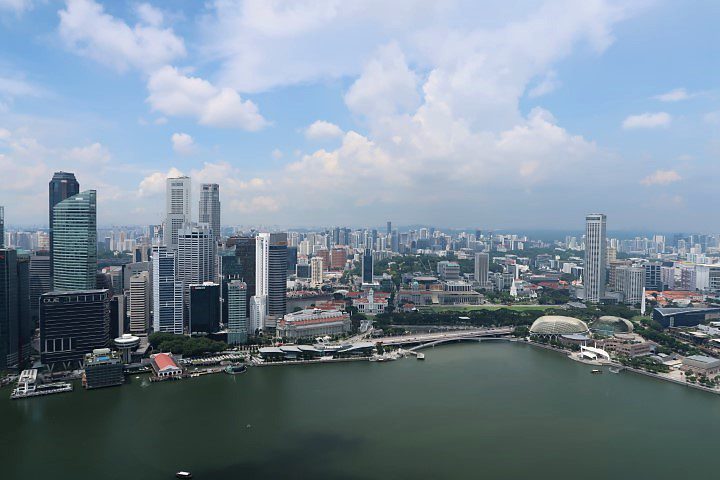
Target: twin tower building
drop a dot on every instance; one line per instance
(195, 282)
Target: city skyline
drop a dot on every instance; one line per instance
(454, 114)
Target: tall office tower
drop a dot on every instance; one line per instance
(40, 282)
(482, 268)
(2, 226)
(631, 282)
(237, 318)
(262, 260)
(195, 255)
(292, 258)
(118, 315)
(316, 271)
(258, 313)
(277, 275)
(395, 245)
(246, 255)
(74, 242)
(25, 333)
(9, 311)
(62, 186)
(73, 324)
(167, 292)
(210, 207)
(367, 266)
(595, 256)
(389, 228)
(139, 303)
(653, 278)
(177, 205)
(204, 308)
(338, 258)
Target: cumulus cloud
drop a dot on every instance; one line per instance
(17, 87)
(173, 93)
(93, 154)
(322, 130)
(547, 85)
(647, 120)
(183, 143)
(88, 30)
(673, 95)
(154, 183)
(661, 177)
(277, 154)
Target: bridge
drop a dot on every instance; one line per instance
(430, 339)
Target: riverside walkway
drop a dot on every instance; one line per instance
(442, 337)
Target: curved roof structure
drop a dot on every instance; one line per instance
(611, 324)
(558, 325)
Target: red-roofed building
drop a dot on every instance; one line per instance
(314, 322)
(164, 365)
(371, 303)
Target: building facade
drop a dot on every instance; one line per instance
(595, 256)
(139, 303)
(204, 308)
(62, 186)
(209, 208)
(177, 208)
(167, 292)
(195, 255)
(237, 318)
(74, 242)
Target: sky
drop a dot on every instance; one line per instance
(517, 114)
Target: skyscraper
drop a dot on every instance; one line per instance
(595, 256)
(2, 226)
(62, 186)
(40, 282)
(210, 207)
(139, 303)
(237, 318)
(246, 255)
(262, 256)
(277, 275)
(178, 209)
(316, 271)
(9, 311)
(25, 333)
(631, 282)
(482, 268)
(195, 255)
(367, 266)
(389, 228)
(73, 324)
(204, 308)
(74, 243)
(167, 292)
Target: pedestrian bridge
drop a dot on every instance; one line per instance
(430, 339)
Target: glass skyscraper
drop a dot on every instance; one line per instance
(74, 242)
(62, 186)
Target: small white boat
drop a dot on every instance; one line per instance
(596, 370)
(420, 356)
(182, 474)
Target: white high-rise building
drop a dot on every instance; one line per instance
(195, 255)
(316, 271)
(258, 313)
(167, 292)
(178, 209)
(595, 256)
(209, 211)
(631, 282)
(262, 265)
(482, 268)
(139, 303)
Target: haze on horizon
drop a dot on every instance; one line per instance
(525, 115)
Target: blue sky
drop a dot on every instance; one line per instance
(457, 113)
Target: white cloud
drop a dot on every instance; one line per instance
(322, 130)
(183, 143)
(88, 30)
(673, 95)
(277, 154)
(17, 6)
(547, 85)
(175, 94)
(154, 183)
(16, 87)
(661, 177)
(647, 120)
(93, 154)
(386, 85)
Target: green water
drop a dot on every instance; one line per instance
(490, 410)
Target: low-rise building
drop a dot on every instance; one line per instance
(628, 344)
(102, 368)
(164, 365)
(701, 364)
(310, 323)
(371, 303)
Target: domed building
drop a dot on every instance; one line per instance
(557, 325)
(608, 325)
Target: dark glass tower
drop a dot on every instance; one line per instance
(245, 255)
(205, 308)
(9, 314)
(277, 274)
(62, 186)
(367, 266)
